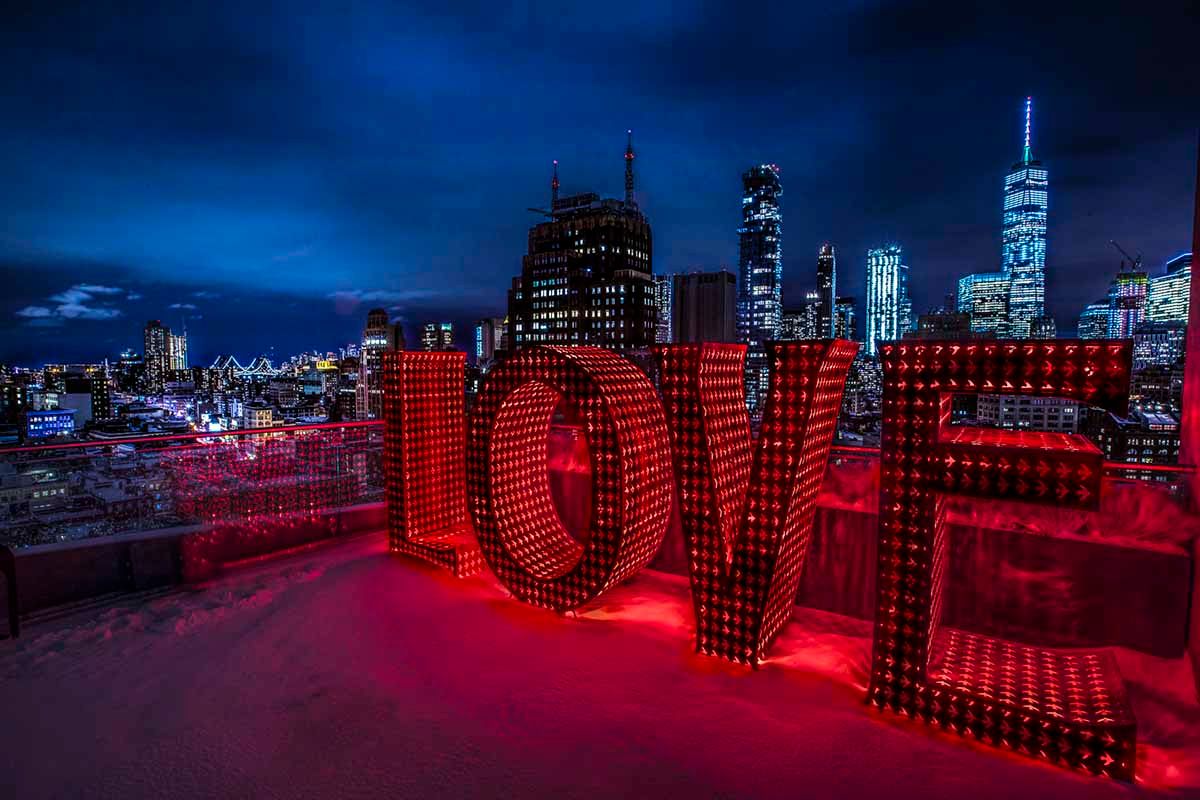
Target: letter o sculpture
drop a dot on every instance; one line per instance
(520, 533)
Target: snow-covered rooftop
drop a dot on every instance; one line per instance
(347, 672)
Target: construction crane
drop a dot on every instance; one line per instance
(1134, 263)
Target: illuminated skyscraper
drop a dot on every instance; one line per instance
(162, 352)
(1024, 249)
(826, 290)
(663, 308)
(1126, 303)
(845, 326)
(489, 338)
(437, 336)
(802, 323)
(1093, 322)
(760, 275)
(587, 276)
(889, 310)
(984, 296)
(1167, 295)
(379, 335)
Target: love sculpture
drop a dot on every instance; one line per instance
(461, 495)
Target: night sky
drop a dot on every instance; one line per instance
(270, 173)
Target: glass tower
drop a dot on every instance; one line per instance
(760, 275)
(889, 311)
(1024, 249)
(1167, 297)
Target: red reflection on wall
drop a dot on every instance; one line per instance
(519, 530)
(747, 524)
(424, 459)
(1067, 708)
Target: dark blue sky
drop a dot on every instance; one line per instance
(272, 171)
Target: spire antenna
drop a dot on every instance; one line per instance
(629, 168)
(554, 186)
(1028, 127)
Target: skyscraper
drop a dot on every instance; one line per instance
(760, 275)
(163, 352)
(587, 276)
(984, 296)
(826, 290)
(1093, 322)
(1126, 303)
(845, 326)
(156, 344)
(437, 336)
(705, 307)
(1024, 237)
(663, 308)
(1167, 295)
(378, 336)
(489, 338)
(889, 310)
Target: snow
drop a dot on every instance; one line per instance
(347, 672)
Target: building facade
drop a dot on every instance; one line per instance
(1126, 303)
(1167, 294)
(437, 336)
(760, 275)
(1093, 322)
(379, 336)
(889, 310)
(705, 307)
(664, 289)
(845, 325)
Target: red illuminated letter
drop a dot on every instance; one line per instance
(519, 530)
(1064, 707)
(424, 460)
(747, 525)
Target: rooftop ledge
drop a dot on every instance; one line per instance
(344, 671)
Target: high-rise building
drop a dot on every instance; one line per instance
(437, 336)
(1024, 237)
(826, 290)
(1126, 303)
(804, 322)
(705, 307)
(889, 310)
(489, 338)
(760, 275)
(1043, 327)
(845, 326)
(156, 348)
(984, 296)
(177, 352)
(379, 335)
(1093, 322)
(587, 277)
(663, 307)
(1158, 344)
(1167, 294)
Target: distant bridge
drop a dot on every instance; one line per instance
(259, 367)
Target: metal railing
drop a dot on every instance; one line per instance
(81, 490)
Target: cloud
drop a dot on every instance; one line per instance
(92, 288)
(74, 303)
(133, 296)
(183, 306)
(78, 311)
(204, 294)
(379, 296)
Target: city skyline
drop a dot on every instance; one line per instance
(227, 233)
